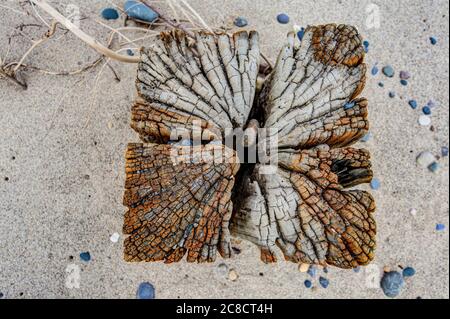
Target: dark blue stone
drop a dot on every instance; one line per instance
(86, 256)
(404, 82)
(408, 272)
(110, 14)
(433, 40)
(308, 283)
(440, 227)
(413, 104)
(138, 10)
(130, 52)
(366, 43)
(426, 110)
(283, 18)
(392, 94)
(145, 291)
(324, 282)
(444, 151)
(301, 34)
(380, 84)
(240, 22)
(392, 283)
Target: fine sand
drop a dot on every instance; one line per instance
(62, 146)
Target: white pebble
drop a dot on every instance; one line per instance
(425, 159)
(114, 237)
(424, 120)
(413, 211)
(297, 28)
(233, 275)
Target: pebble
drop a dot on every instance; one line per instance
(426, 110)
(357, 269)
(86, 256)
(222, 269)
(404, 82)
(324, 282)
(236, 250)
(392, 283)
(433, 40)
(114, 237)
(303, 267)
(388, 71)
(375, 70)
(380, 84)
(130, 52)
(110, 14)
(431, 103)
(308, 283)
(425, 159)
(301, 34)
(312, 271)
(408, 272)
(233, 275)
(366, 137)
(424, 120)
(375, 184)
(145, 291)
(413, 211)
(240, 22)
(386, 269)
(138, 10)
(444, 151)
(283, 18)
(366, 46)
(413, 104)
(440, 227)
(349, 105)
(391, 94)
(434, 167)
(404, 75)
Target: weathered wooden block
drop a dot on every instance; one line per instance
(209, 85)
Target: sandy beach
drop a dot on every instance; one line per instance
(62, 145)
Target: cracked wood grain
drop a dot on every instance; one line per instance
(302, 209)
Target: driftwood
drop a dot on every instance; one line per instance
(310, 100)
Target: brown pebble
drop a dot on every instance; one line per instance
(303, 267)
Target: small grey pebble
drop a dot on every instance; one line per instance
(240, 22)
(404, 75)
(392, 283)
